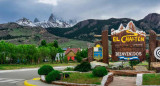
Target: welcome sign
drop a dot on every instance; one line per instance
(128, 42)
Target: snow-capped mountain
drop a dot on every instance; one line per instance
(25, 22)
(52, 22)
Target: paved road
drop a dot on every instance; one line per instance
(17, 77)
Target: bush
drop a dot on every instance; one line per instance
(44, 70)
(134, 63)
(65, 59)
(83, 67)
(53, 76)
(78, 58)
(99, 71)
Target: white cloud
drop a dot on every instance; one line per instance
(50, 2)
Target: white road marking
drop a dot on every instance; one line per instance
(29, 69)
(10, 80)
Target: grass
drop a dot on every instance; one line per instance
(20, 32)
(20, 66)
(151, 79)
(69, 69)
(83, 78)
(75, 44)
(144, 63)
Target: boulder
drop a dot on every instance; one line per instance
(95, 64)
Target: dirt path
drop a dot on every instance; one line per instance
(123, 81)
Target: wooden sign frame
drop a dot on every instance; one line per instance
(128, 42)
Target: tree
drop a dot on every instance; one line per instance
(55, 44)
(44, 52)
(43, 43)
(53, 52)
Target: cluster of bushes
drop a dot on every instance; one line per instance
(54, 75)
(51, 74)
(85, 67)
(27, 53)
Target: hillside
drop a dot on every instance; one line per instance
(85, 30)
(17, 34)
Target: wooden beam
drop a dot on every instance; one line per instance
(158, 35)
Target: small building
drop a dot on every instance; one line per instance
(59, 56)
(71, 53)
(64, 49)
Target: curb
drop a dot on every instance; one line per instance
(28, 84)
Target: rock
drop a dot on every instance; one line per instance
(66, 75)
(95, 64)
(43, 77)
(128, 72)
(84, 59)
(107, 79)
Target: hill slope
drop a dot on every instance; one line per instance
(17, 34)
(85, 30)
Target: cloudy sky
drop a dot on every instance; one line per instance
(12, 10)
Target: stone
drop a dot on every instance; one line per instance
(139, 79)
(43, 77)
(95, 64)
(107, 79)
(84, 59)
(140, 68)
(129, 72)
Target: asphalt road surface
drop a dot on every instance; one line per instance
(17, 77)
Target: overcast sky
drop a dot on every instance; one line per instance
(12, 10)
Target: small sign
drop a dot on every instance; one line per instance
(128, 58)
(97, 52)
(157, 53)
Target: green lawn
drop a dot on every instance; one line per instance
(20, 66)
(83, 78)
(151, 79)
(144, 63)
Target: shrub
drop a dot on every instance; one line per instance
(83, 67)
(99, 71)
(44, 70)
(65, 59)
(53, 76)
(133, 63)
(78, 58)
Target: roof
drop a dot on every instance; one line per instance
(64, 48)
(75, 50)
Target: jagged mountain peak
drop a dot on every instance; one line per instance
(53, 21)
(36, 20)
(25, 22)
(52, 18)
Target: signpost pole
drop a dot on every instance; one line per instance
(105, 46)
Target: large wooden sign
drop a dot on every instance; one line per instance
(128, 42)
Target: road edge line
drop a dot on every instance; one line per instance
(28, 84)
